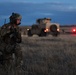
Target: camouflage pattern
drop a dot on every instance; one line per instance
(14, 16)
(10, 37)
(8, 43)
(9, 46)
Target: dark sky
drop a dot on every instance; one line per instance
(59, 12)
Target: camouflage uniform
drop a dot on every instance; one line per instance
(11, 37)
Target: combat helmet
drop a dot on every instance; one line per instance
(14, 17)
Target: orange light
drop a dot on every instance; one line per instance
(58, 30)
(46, 30)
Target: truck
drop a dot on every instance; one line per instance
(44, 27)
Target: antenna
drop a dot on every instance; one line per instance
(5, 21)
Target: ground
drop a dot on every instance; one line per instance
(49, 55)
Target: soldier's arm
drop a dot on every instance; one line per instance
(5, 33)
(5, 30)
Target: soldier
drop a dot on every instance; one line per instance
(11, 37)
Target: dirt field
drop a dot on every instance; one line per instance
(49, 55)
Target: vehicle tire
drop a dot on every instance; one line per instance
(53, 28)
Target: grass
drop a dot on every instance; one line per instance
(49, 55)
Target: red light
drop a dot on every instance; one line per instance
(74, 30)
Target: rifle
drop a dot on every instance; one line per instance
(15, 36)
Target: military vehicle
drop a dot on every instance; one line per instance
(43, 27)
